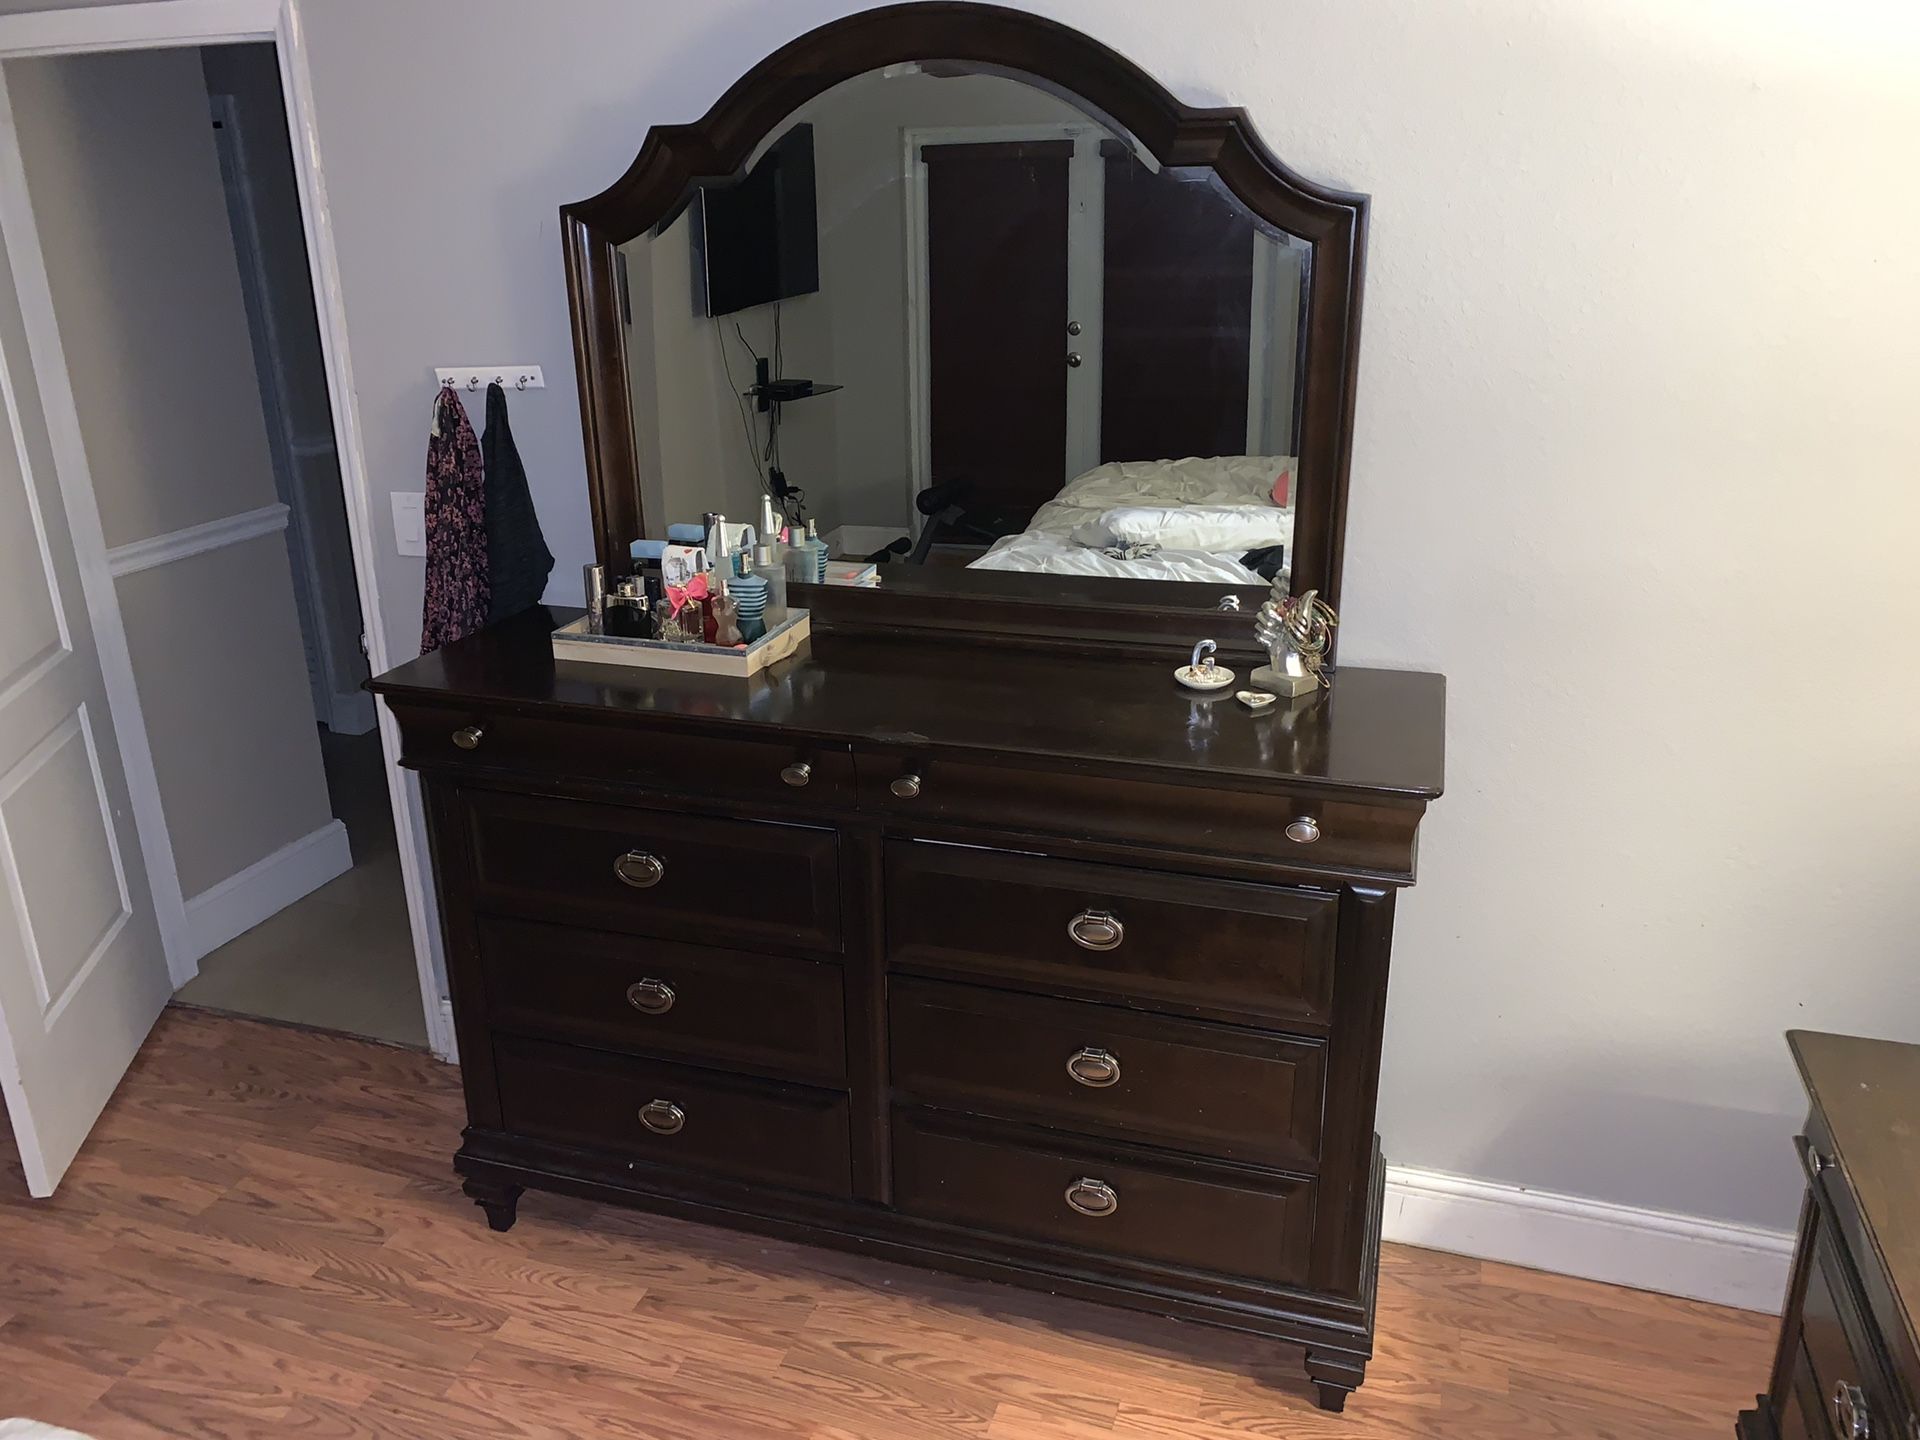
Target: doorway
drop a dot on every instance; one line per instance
(163, 186)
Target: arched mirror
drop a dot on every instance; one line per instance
(1034, 346)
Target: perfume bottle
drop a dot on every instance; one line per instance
(723, 616)
(775, 574)
(749, 594)
(819, 549)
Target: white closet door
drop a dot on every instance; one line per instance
(82, 972)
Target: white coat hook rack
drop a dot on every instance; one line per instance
(477, 377)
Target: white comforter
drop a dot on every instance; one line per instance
(1070, 533)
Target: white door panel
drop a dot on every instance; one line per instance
(82, 971)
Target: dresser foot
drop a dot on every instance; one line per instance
(500, 1201)
(1335, 1376)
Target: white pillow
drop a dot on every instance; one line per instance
(1220, 529)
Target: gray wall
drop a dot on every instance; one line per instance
(1634, 465)
(126, 191)
(250, 74)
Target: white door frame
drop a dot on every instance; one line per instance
(1086, 240)
(168, 24)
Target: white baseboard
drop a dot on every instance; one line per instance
(265, 888)
(1618, 1244)
(351, 713)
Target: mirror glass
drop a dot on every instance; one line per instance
(957, 320)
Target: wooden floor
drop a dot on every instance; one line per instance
(263, 1239)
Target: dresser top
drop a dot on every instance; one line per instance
(1868, 1091)
(1380, 731)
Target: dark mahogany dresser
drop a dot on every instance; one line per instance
(1848, 1366)
(1023, 965)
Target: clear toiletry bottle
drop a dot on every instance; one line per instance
(775, 574)
(799, 557)
(819, 549)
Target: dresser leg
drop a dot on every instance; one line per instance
(500, 1201)
(1335, 1376)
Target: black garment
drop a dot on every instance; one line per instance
(1266, 562)
(518, 560)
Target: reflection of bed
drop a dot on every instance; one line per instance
(1190, 519)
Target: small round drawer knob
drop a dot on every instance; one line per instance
(662, 1117)
(1092, 1197)
(1094, 1068)
(1850, 1412)
(797, 774)
(640, 870)
(1097, 930)
(650, 997)
(468, 738)
(907, 787)
(1304, 831)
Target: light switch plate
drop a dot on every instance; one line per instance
(410, 522)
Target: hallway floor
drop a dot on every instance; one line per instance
(342, 958)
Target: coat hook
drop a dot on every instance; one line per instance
(473, 382)
(521, 383)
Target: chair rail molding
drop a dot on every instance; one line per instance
(157, 550)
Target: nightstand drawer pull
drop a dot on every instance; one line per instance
(650, 997)
(662, 1117)
(1094, 1198)
(907, 786)
(1097, 930)
(797, 774)
(640, 870)
(1304, 831)
(1850, 1412)
(1094, 1068)
(468, 737)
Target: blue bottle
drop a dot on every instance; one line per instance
(749, 593)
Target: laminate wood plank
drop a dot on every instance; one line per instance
(278, 1278)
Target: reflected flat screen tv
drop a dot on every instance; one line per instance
(756, 240)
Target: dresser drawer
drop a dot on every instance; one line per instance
(1256, 954)
(1843, 1354)
(655, 872)
(1183, 1213)
(1238, 822)
(650, 1113)
(1217, 1090)
(769, 1014)
(479, 741)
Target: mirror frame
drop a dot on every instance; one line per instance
(675, 158)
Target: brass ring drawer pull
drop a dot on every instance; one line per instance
(1097, 930)
(640, 870)
(650, 997)
(1093, 1197)
(1850, 1412)
(1095, 1068)
(468, 738)
(662, 1117)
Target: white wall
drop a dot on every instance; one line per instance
(1635, 466)
(125, 188)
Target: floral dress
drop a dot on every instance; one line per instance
(457, 592)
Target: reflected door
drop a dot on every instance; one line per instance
(996, 221)
(1177, 311)
(82, 972)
